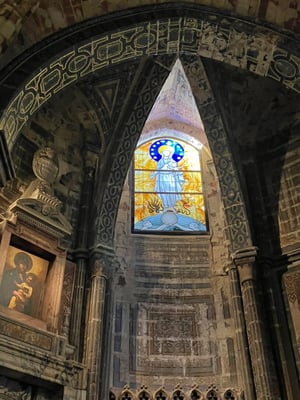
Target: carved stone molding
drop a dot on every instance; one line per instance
(38, 206)
(291, 285)
(244, 260)
(6, 167)
(37, 353)
(213, 36)
(211, 392)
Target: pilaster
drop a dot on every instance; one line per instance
(279, 322)
(80, 255)
(245, 376)
(264, 374)
(101, 268)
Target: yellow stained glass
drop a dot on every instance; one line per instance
(168, 187)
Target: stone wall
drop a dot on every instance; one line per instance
(172, 314)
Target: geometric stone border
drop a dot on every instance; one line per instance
(195, 33)
(227, 39)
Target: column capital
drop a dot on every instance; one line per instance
(244, 260)
(245, 256)
(103, 262)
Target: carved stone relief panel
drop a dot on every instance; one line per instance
(175, 340)
(11, 389)
(291, 285)
(18, 390)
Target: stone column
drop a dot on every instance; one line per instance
(265, 377)
(80, 255)
(279, 323)
(245, 376)
(12, 16)
(95, 327)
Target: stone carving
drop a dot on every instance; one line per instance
(38, 205)
(236, 217)
(178, 395)
(179, 326)
(196, 394)
(25, 334)
(144, 394)
(10, 389)
(209, 36)
(211, 393)
(126, 394)
(123, 154)
(223, 39)
(292, 286)
(291, 282)
(66, 300)
(45, 165)
(112, 396)
(161, 394)
(230, 394)
(171, 334)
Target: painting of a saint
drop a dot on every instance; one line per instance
(169, 179)
(22, 281)
(168, 187)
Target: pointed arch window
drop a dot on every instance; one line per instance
(168, 192)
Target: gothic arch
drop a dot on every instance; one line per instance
(196, 31)
(235, 212)
(193, 34)
(126, 394)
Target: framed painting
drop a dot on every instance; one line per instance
(23, 281)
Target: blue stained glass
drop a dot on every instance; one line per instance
(159, 146)
(168, 188)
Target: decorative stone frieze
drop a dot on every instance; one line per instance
(210, 392)
(38, 353)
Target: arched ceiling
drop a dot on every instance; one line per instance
(31, 21)
(87, 117)
(86, 120)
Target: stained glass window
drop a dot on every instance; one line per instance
(168, 193)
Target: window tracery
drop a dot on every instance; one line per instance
(196, 395)
(126, 395)
(112, 396)
(161, 395)
(144, 395)
(229, 395)
(212, 395)
(178, 395)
